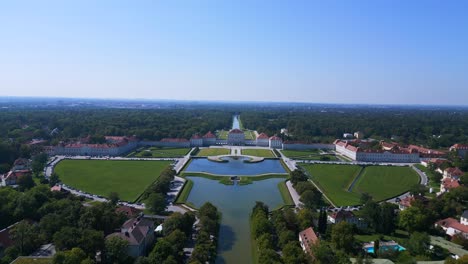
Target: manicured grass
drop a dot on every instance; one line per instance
(184, 194)
(128, 178)
(312, 154)
(32, 260)
(334, 180)
(213, 152)
(163, 152)
(299, 153)
(383, 182)
(266, 153)
(287, 199)
(222, 134)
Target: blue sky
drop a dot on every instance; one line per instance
(385, 52)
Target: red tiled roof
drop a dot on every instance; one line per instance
(342, 214)
(174, 140)
(275, 137)
(309, 238)
(262, 136)
(449, 183)
(56, 188)
(196, 136)
(408, 200)
(424, 150)
(453, 223)
(454, 171)
(16, 174)
(236, 131)
(459, 146)
(128, 211)
(209, 135)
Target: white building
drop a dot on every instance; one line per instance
(275, 142)
(452, 227)
(209, 139)
(236, 137)
(347, 135)
(461, 149)
(262, 140)
(196, 141)
(399, 155)
(358, 135)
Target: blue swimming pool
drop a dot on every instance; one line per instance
(385, 248)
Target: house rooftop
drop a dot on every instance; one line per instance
(309, 238)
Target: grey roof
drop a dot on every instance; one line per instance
(465, 214)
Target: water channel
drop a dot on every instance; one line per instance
(235, 166)
(235, 203)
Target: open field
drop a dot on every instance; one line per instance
(266, 153)
(213, 152)
(334, 180)
(128, 178)
(163, 152)
(312, 154)
(382, 182)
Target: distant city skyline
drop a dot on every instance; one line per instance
(365, 52)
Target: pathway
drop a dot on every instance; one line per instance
(294, 195)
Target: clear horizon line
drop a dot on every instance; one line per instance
(225, 101)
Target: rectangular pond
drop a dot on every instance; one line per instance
(235, 166)
(235, 203)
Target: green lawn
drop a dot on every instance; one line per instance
(384, 182)
(299, 153)
(213, 152)
(33, 260)
(128, 178)
(266, 153)
(334, 180)
(163, 152)
(312, 154)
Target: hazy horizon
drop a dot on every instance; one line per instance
(333, 52)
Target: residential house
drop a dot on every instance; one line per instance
(448, 184)
(461, 149)
(139, 233)
(308, 238)
(454, 173)
(409, 200)
(453, 227)
(12, 177)
(347, 216)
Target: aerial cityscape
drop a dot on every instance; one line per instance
(265, 132)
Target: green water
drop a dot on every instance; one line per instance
(235, 203)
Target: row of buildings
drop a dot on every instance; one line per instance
(359, 150)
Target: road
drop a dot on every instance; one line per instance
(294, 195)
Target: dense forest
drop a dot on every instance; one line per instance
(431, 127)
(439, 128)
